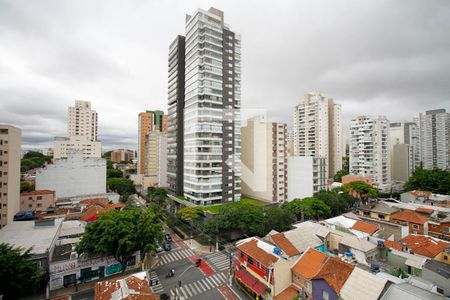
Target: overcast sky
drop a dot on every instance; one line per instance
(373, 57)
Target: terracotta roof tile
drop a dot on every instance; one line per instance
(310, 263)
(288, 293)
(425, 245)
(251, 248)
(409, 216)
(38, 192)
(91, 213)
(335, 272)
(136, 289)
(424, 210)
(284, 244)
(365, 227)
(394, 245)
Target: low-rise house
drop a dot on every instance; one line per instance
(352, 178)
(444, 256)
(257, 264)
(364, 227)
(132, 287)
(363, 285)
(280, 240)
(407, 262)
(377, 211)
(388, 230)
(415, 196)
(416, 222)
(439, 226)
(424, 245)
(438, 273)
(406, 291)
(362, 251)
(38, 200)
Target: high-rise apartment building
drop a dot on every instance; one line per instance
(10, 143)
(120, 155)
(82, 120)
(212, 101)
(156, 158)
(175, 135)
(318, 130)
(264, 160)
(149, 121)
(369, 148)
(82, 133)
(434, 132)
(403, 144)
(306, 176)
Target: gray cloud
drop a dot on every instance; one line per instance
(377, 57)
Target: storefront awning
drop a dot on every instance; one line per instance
(250, 281)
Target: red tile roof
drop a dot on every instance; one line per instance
(38, 192)
(310, 263)
(95, 201)
(365, 227)
(289, 293)
(132, 288)
(284, 244)
(335, 272)
(409, 216)
(91, 213)
(117, 205)
(251, 249)
(394, 245)
(425, 245)
(424, 210)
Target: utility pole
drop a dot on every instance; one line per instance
(217, 236)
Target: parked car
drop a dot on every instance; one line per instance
(167, 246)
(168, 238)
(159, 249)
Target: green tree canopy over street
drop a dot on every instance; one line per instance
(18, 275)
(114, 173)
(121, 234)
(122, 186)
(190, 214)
(157, 195)
(436, 181)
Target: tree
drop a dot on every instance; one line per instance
(114, 173)
(436, 181)
(338, 200)
(338, 176)
(157, 195)
(32, 160)
(18, 275)
(107, 155)
(311, 208)
(277, 219)
(121, 234)
(25, 186)
(122, 186)
(190, 214)
(361, 190)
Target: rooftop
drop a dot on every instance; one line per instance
(307, 234)
(25, 234)
(394, 245)
(406, 291)
(259, 250)
(356, 287)
(380, 207)
(310, 263)
(284, 244)
(442, 269)
(365, 227)
(409, 216)
(425, 245)
(133, 287)
(424, 210)
(38, 192)
(335, 272)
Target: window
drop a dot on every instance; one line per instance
(242, 254)
(250, 260)
(258, 265)
(415, 226)
(39, 197)
(325, 295)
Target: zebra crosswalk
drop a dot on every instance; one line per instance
(155, 284)
(192, 289)
(219, 260)
(173, 256)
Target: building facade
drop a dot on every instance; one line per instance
(156, 158)
(82, 120)
(318, 130)
(212, 101)
(149, 121)
(38, 200)
(73, 176)
(403, 149)
(434, 132)
(120, 155)
(264, 160)
(306, 176)
(10, 145)
(64, 145)
(369, 148)
(175, 135)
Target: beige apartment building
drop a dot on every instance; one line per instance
(38, 200)
(120, 155)
(82, 120)
(10, 150)
(156, 158)
(149, 121)
(264, 160)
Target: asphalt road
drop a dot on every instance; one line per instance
(84, 295)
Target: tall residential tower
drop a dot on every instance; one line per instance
(318, 131)
(211, 117)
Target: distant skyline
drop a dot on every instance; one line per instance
(379, 57)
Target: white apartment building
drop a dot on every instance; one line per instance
(264, 160)
(369, 148)
(63, 145)
(10, 145)
(73, 176)
(434, 132)
(318, 130)
(156, 158)
(82, 120)
(306, 176)
(212, 101)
